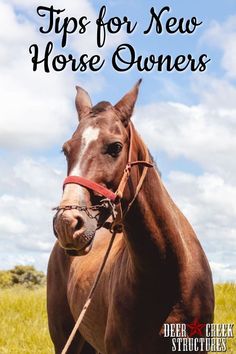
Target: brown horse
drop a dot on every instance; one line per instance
(156, 272)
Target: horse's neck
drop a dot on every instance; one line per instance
(154, 226)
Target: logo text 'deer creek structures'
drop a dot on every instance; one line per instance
(197, 336)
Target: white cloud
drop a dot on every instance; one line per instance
(209, 203)
(204, 133)
(8, 225)
(25, 209)
(223, 36)
(39, 178)
(223, 271)
(9, 259)
(37, 108)
(212, 191)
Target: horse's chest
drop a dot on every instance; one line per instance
(93, 325)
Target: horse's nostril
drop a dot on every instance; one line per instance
(80, 223)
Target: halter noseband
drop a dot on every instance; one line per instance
(113, 198)
(91, 185)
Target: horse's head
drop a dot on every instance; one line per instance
(98, 152)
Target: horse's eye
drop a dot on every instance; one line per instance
(65, 149)
(114, 149)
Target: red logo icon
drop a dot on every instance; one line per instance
(196, 328)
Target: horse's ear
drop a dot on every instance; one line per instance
(125, 106)
(82, 102)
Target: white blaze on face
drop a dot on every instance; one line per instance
(90, 134)
(73, 193)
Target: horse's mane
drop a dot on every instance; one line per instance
(154, 163)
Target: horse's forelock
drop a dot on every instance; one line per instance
(101, 107)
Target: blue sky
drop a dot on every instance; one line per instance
(187, 120)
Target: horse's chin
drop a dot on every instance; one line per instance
(82, 251)
(76, 253)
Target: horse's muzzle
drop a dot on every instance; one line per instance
(75, 231)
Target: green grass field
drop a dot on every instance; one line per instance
(225, 310)
(23, 319)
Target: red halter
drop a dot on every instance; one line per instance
(113, 197)
(91, 185)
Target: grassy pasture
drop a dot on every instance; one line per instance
(225, 309)
(23, 319)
